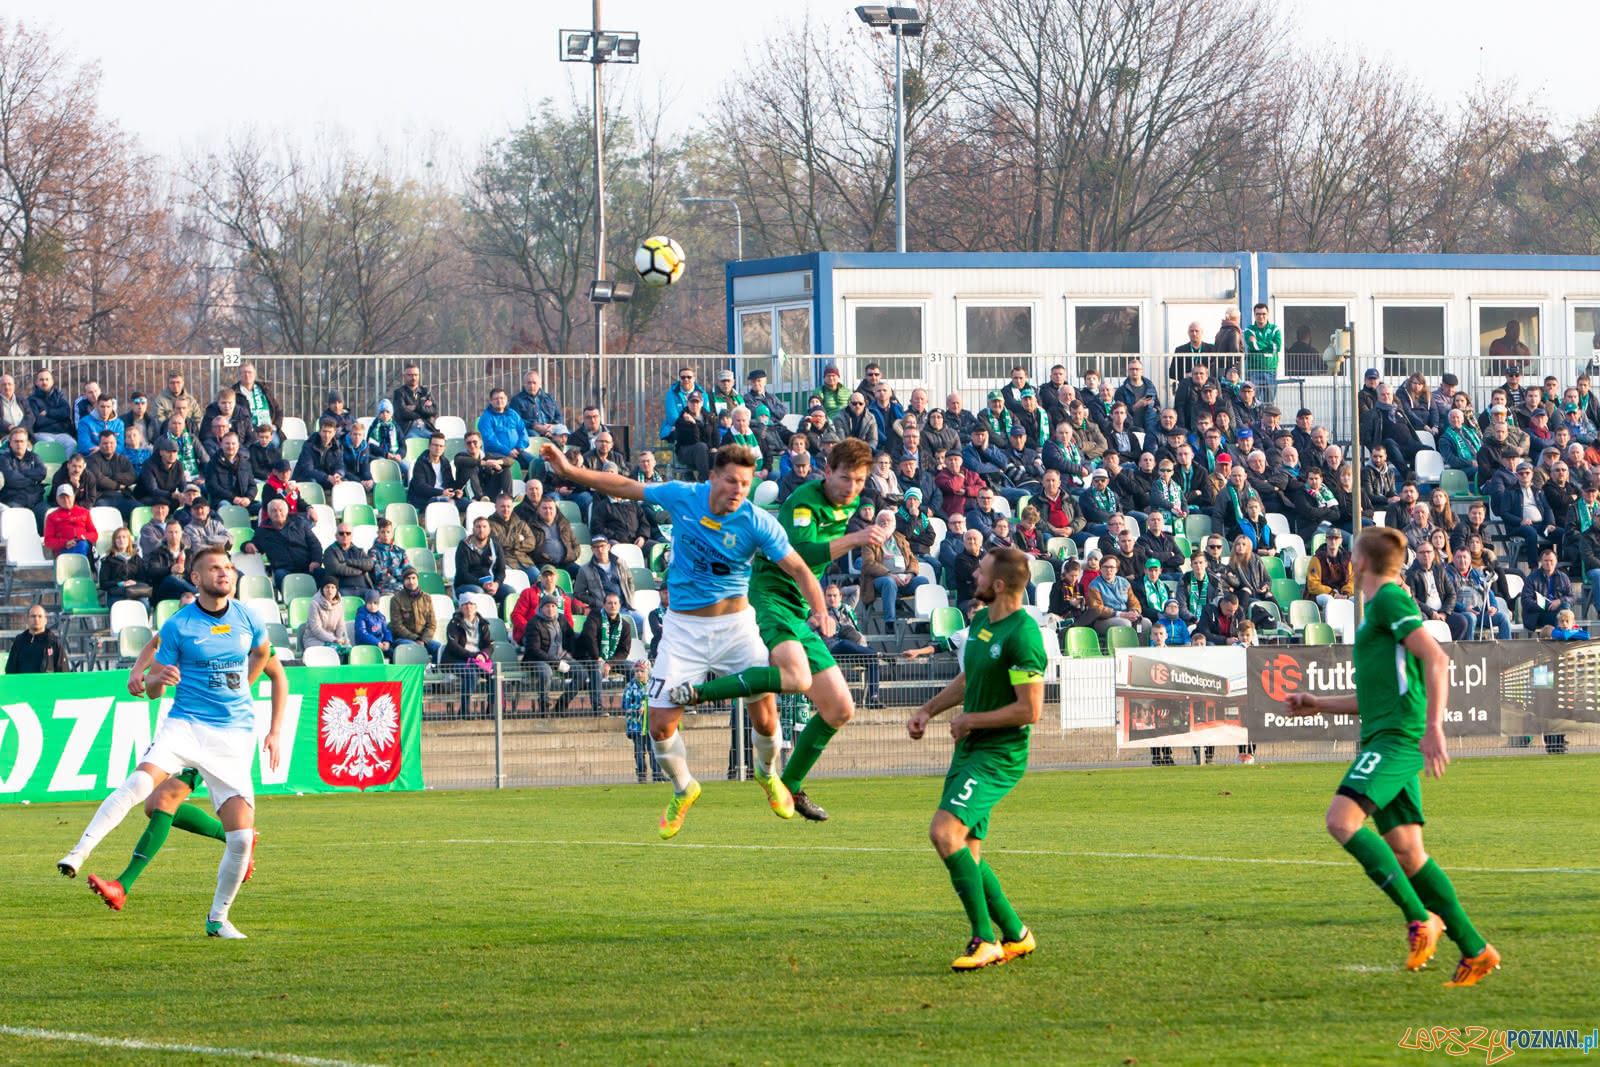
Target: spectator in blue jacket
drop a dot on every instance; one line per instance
(537, 409)
(371, 627)
(504, 435)
(988, 460)
(321, 458)
(102, 418)
(677, 399)
(51, 412)
(1526, 513)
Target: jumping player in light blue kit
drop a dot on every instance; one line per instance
(716, 533)
(209, 650)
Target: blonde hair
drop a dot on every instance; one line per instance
(1565, 619)
(1383, 547)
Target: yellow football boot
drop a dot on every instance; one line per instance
(979, 954)
(1022, 946)
(672, 818)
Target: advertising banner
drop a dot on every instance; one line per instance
(77, 736)
(1180, 696)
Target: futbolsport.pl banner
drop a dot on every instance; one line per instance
(1496, 688)
(77, 736)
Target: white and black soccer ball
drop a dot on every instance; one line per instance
(659, 260)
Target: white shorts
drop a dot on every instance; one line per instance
(223, 757)
(695, 646)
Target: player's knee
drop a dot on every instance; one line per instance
(150, 805)
(1340, 825)
(839, 714)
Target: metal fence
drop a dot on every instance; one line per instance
(630, 388)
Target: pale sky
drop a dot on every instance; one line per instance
(414, 76)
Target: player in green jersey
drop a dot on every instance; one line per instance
(164, 808)
(814, 516)
(1001, 693)
(1402, 683)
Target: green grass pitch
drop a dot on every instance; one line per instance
(550, 926)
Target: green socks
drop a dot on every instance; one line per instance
(1377, 859)
(197, 820)
(188, 817)
(155, 835)
(1433, 887)
(968, 880)
(1000, 909)
(752, 681)
(807, 748)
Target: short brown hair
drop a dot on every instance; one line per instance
(1384, 548)
(1011, 567)
(734, 455)
(851, 454)
(209, 550)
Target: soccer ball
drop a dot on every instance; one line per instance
(659, 260)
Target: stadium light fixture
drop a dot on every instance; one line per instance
(606, 291)
(577, 44)
(902, 22)
(605, 44)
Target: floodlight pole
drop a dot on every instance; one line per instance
(599, 213)
(1355, 459)
(899, 143)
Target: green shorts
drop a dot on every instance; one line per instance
(1386, 780)
(779, 622)
(979, 779)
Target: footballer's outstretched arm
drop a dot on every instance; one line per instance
(264, 661)
(600, 481)
(141, 664)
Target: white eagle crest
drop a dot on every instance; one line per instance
(360, 734)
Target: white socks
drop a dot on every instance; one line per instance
(114, 808)
(674, 759)
(766, 752)
(230, 872)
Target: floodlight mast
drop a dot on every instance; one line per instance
(902, 22)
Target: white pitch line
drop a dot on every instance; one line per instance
(1173, 856)
(161, 1046)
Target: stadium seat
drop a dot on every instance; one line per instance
(415, 447)
(292, 449)
(422, 559)
(1320, 633)
(564, 580)
(1341, 616)
(319, 656)
(299, 611)
(1278, 523)
(1439, 629)
(255, 587)
(352, 604)
(345, 494)
(644, 600)
(1061, 548)
(298, 586)
(1285, 591)
(131, 641)
(1041, 595)
(643, 578)
(571, 510)
(430, 581)
(444, 609)
(1083, 643)
(1273, 566)
(233, 515)
(166, 609)
(440, 513)
(80, 599)
(766, 495)
(364, 537)
(1455, 483)
(926, 600)
(311, 492)
(412, 653)
(265, 612)
(945, 622)
(293, 428)
(50, 451)
(453, 447)
(401, 514)
(251, 565)
(239, 536)
(366, 656)
(70, 566)
(477, 508)
(1197, 526)
(1302, 613)
(385, 472)
(453, 426)
(1122, 637)
(359, 515)
(1039, 570)
(410, 536)
(445, 540)
(630, 554)
(385, 494)
(1429, 466)
(128, 613)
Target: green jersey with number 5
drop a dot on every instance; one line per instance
(999, 657)
(1390, 692)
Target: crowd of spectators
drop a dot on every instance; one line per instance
(1174, 518)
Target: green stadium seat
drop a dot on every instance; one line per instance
(50, 451)
(70, 566)
(299, 611)
(1274, 567)
(352, 604)
(1083, 643)
(233, 515)
(415, 447)
(386, 493)
(131, 640)
(366, 656)
(298, 587)
(1320, 633)
(1196, 526)
(412, 653)
(946, 622)
(359, 515)
(165, 609)
(1285, 591)
(412, 536)
(430, 582)
(1122, 637)
(385, 472)
(311, 493)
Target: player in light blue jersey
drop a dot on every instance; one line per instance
(716, 533)
(209, 651)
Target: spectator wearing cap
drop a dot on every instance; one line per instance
(202, 528)
(725, 397)
(69, 528)
(371, 627)
(322, 457)
(1538, 428)
(676, 401)
(1369, 390)
(1153, 593)
(910, 474)
(1575, 420)
(411, 618)
(1444, 397)
(996, 418)
(163, 477)
(937, 436)
(1526, 513)
(958, 487)
(527, 604)
(756, 393)
(1304, 422)
(1099, 502)
(287, 541)
(384, 440)
(102, 417)
(834, 393)
(537, 409)
(1024, 464)
(547, 649)
(602, 575)
(694, 435)
(336, 410)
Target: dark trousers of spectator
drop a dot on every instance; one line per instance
(1403, 457)
(124, 504)
(1460, 624)
(1539, 617)
(697, 458)
(642, 751)
(869, 659)
(171, 588)
(544, 677)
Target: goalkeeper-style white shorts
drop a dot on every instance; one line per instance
(693, 647)
(223, 757)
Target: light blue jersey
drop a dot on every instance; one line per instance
(711, 554)
(212, 654)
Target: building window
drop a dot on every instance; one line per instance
(794, 331)
(755, 332)
(1586, 333)
(891, 331)
(994, 334)
(1303, 359)
(1106, 329)
(1411, 335)
(1505, 332)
